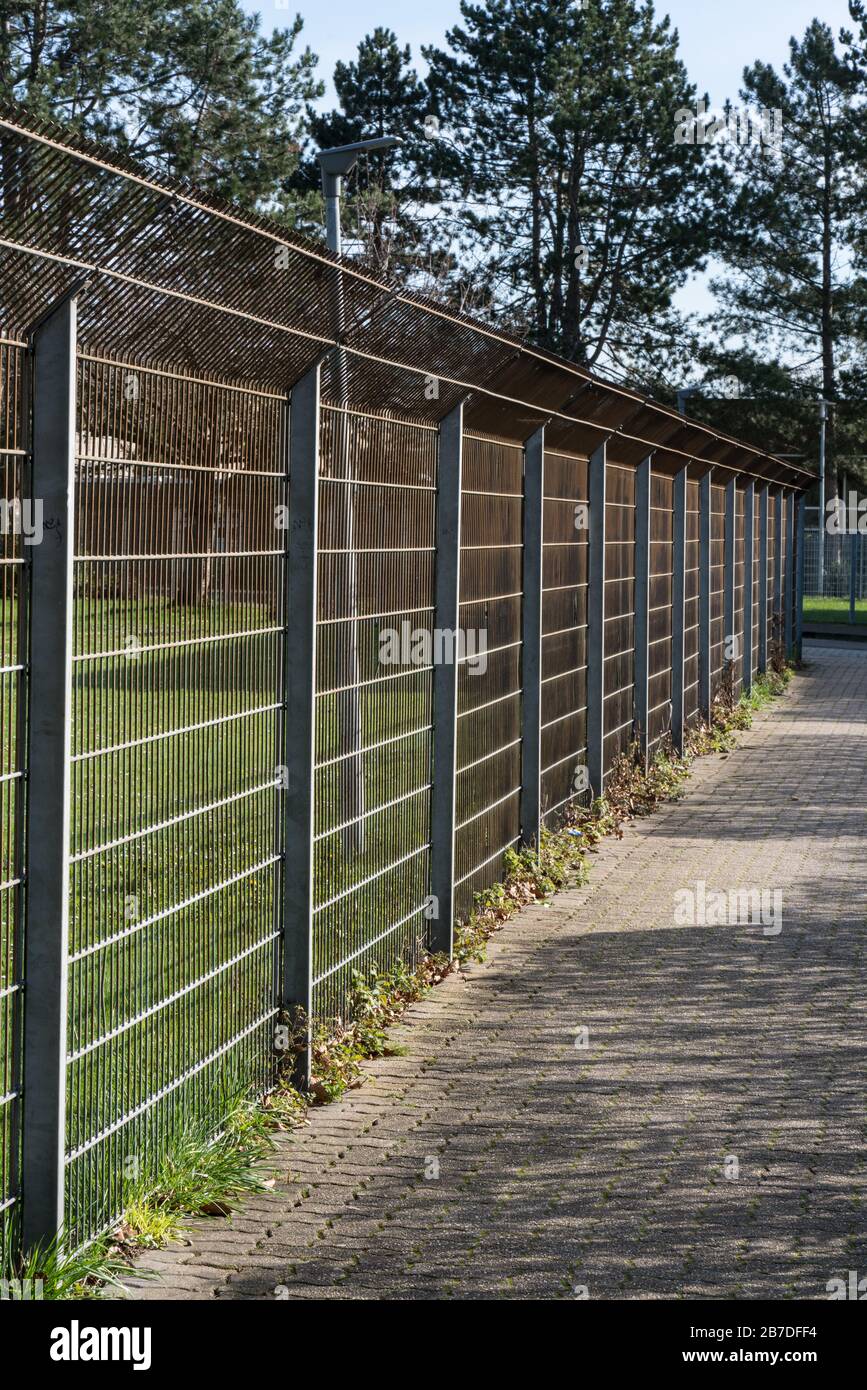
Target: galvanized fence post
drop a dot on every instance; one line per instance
(596, 625)
(445, 680)
(46, 940)
(678, 603)
(790, 575)
(799, 581)
(749, 567)
(300, 711)
(704, 681)
(853, 568)
(641, 665)
(531, 639)
(763, 579)
(731, 515)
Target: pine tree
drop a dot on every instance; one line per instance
(583, 213)
(389, 203)
(790, 295)
(194, 87)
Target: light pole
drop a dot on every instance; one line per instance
(334, 164)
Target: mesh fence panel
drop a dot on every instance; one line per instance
(756, 564)
(738, 673)
(564, 633)
(175, 847)
(659, 609)
(717, 587)
(489, 692)
(619, 625)
(769, 568)
(375, 649)
(691, 605)
(778, 613)
(837, 565)
(14, 520)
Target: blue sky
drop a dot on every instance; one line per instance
(718, 38)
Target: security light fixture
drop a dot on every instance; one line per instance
(336, 162)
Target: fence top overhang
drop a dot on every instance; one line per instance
(174, 277)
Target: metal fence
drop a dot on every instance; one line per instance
(312, 633)
(12, 707)
(177, 701)
(844, 565)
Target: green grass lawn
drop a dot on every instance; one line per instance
(833, 610)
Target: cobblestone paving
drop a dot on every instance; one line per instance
(610, 1168)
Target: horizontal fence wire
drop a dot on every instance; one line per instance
(17, 519)
(175, 850)
(375, 647)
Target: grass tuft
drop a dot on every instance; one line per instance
(376, 1002)
(52, 1273)
(199, 1176)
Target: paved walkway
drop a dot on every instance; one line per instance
(707, 1142)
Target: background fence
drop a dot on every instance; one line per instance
(844, 556)
(341, 623)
